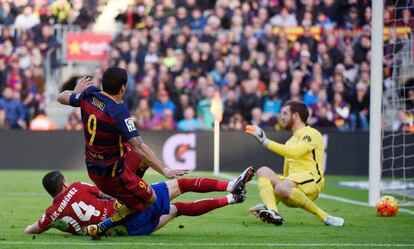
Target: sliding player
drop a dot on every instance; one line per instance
(79, 205)
(302, 178)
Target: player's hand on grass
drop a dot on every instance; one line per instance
(172, 173)
(257, 133)
(82, 84)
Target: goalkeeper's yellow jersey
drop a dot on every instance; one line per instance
(303, 152)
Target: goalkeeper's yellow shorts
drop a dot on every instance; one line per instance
(306, 183)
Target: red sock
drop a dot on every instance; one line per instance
(199, 207)
(201, 185)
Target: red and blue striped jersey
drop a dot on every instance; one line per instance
(107, 127)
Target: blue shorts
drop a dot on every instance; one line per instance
(146, 222)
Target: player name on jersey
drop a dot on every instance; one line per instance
(99, 104)
(63, 203)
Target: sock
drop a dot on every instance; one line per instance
(299, 199)
(267, 193)
(201, 185)
(200, 207)
(119, 217)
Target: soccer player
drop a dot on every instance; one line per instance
(108, 129)
(302, 178)
(78, 205)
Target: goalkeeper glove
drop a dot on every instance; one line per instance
(258, 134)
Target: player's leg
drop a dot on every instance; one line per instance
(203, 185)
(293, 197)
(123, 214)
(167, 217)
(132, 191)
(267, 180)
(156, 216)
(268, 211)
(173, 189)
(302, 195)
(201, 207)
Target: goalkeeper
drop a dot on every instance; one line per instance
(302, 179)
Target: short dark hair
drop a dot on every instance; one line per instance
(53, 182)
(300, 108)
(113, 79)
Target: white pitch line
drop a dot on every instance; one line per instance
(325, 196)
(24, 194)
(167, 244)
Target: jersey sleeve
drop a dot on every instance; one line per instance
(307, 143)
(290, 151)
(75, 98)
(124, 123)
(45, 222)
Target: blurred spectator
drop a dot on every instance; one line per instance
(47, 16)
(304, 64)
(7, 13)
(197, 20)
(360, 108)
(249, 100)
(257, 118)
(341, 112)
(189, 123)
(46, 42)
(361, 49)
(61, 9)
(311, 96)
(272, 101)
(27, 19)
(284, 19)
(142, 114)
(237, 122)
(164, 121)
(323, 119)
(74, 121)
(203, 109)
(183, 103)
(322, 102)
(231, 107)
(161, 103)
(14, 109)
(131, 17)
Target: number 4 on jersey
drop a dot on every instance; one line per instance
(83, 211)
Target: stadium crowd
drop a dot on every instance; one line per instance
(257, 54)
(26, 38)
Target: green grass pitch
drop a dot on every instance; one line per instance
(23, 201)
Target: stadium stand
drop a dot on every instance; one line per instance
(257, 54)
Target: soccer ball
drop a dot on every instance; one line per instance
(387, 206)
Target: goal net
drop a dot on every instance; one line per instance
(397, 153)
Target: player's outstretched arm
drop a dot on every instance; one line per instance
(81, 84)
(151, 159)
(284, 150)
(33, 229)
